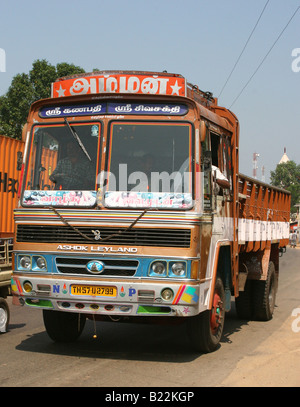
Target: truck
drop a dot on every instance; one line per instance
(11, 151)
(132, 208)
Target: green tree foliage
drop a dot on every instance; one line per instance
(287, 176)
(26, 89)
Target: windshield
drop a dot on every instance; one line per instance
(149, 165)
(63, 165)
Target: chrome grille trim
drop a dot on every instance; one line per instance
(134, 237)
(113, 267)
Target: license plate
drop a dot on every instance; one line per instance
(94, 290)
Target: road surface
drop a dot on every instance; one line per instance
(130, 355)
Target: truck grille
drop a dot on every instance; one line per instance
(113, 267)
(133, 237)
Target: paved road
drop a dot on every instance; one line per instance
(125, 355)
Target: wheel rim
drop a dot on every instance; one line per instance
(216, 314)
(3, 320)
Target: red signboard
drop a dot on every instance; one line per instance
(120, 83)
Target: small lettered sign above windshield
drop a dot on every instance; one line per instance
(114, 108)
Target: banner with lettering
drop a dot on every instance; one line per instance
(59, 198)
(120, 83)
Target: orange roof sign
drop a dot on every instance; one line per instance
(120, 83)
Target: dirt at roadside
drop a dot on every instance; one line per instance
(279, 354)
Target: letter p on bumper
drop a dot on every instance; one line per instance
(2, 60)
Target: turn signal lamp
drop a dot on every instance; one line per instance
(195, 269)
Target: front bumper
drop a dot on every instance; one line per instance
(130, 298)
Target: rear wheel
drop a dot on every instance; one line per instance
(205, 330)
(63, 326)
(4, 315)
(264, 295)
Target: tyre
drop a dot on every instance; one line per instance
(205, 330)
(243, 303)
(264, 295)
(4, 315)
(63, 326)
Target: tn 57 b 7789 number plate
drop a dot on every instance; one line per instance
(94, 290)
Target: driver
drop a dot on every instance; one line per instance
(72, 172)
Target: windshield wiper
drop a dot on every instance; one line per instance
(118, 233)
(77, 138)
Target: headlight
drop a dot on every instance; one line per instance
(25, 262)
(41, 263)
(173, 269)
(31, 263)
(178, 269)
(158, 268)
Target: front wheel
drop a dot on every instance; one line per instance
(63, 326)
(4, 315)
(205, 330)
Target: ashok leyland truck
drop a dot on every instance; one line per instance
(132, 207)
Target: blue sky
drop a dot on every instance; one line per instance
(199, 39)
